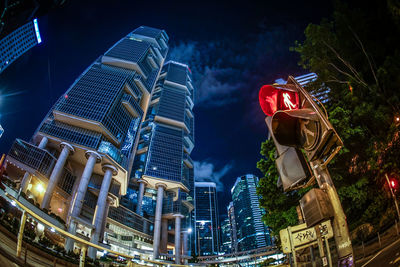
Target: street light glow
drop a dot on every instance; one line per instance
(189, 230)
(40, 188)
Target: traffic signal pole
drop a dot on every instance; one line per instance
(394, 197)
(340, 229)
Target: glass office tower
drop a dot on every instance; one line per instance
(207, 220)
(226, 239)
(232, 222)
(251, 232)
(86, 153)
(18, 42)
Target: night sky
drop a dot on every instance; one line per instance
(231, 48)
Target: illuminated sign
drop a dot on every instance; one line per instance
(35, 24)
(273, 99)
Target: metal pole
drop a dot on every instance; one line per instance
(292, 246)
(26, 252)
(379, 239)
(340, 229)
(21, 233)
(313, 263)
(328, 252)
(82, 257)
(320, 248)
(362, 243)
(394, 197)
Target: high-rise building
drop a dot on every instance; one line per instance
(18, 42)
(251, 232)
(226, 239)
(207, 220)
(232, 221)
(321, 93)
(111, 157)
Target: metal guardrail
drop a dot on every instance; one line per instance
(78, 239)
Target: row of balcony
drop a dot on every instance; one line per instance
(41, 161)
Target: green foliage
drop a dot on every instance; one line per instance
(280, 208)
(356, 54)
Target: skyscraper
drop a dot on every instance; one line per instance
(321, 93)
(18, 42)
(226, 238)
(125, 124)
(232, 221)
(207, 220)
(251, 232)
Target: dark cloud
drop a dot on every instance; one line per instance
(204, 172)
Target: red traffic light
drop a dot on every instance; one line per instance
(393, 184)
(273, 99)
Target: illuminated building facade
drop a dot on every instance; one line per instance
(321, 93)
(232, 222)
(226, 238)
(85, 161)
(207, 220)
(18, 42)
(251, 232)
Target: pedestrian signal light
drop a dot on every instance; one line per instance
(393, 184)
(274, 98)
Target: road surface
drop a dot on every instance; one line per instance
(389, 256)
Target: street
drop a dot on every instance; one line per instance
(389, 256)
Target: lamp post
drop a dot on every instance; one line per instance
(394, 197)
(185, 234)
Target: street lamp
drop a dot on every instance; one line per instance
(185, 234)
(392, 185)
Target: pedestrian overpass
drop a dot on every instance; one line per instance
(254, 255)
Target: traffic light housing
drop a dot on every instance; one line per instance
(305, 127)
(290, 163)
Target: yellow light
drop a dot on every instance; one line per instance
(39, 188)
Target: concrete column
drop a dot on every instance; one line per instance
(43, 142)
(157, 220)
(77, 200)
(103, 226)
(109, 172)
(142, 187)
(178, 218)
(185, 245)
(164, 236)
(25, 182)
(69, 243)
(56, 173)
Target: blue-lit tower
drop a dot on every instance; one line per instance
(163, 160)
(111, 158)
(251, 232)
(207, 219)
(18, 42)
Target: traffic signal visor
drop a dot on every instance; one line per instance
(296, 128)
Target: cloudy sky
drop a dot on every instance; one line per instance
(231, 48)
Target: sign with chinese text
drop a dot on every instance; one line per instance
(298, 236)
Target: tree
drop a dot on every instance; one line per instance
(356, 55)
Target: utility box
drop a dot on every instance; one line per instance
(316, 207)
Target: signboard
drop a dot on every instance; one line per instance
(299, 236)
